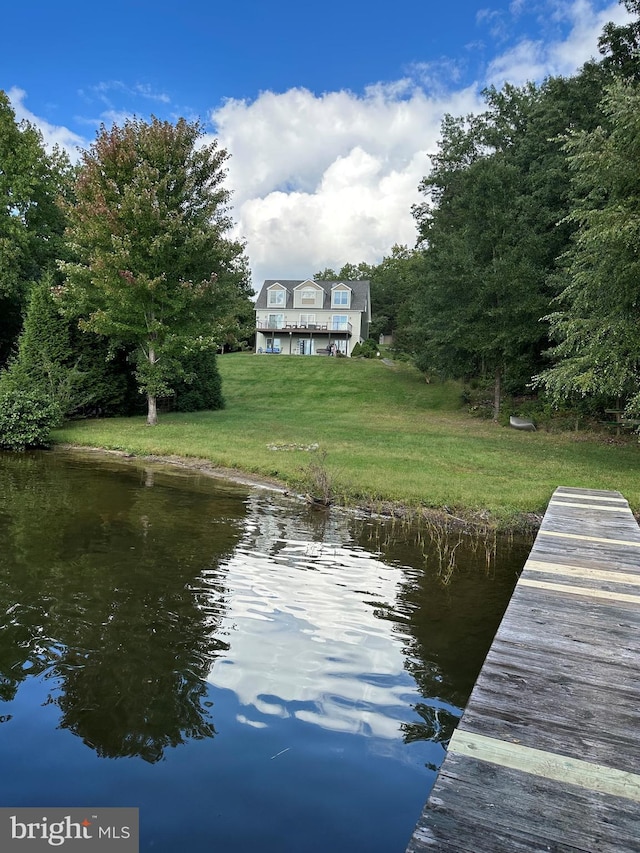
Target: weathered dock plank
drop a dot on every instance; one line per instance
(547, 754)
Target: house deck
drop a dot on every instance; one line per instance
(547, 754)
(305, 328)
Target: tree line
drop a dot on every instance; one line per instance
(118, 278)
(527, 269)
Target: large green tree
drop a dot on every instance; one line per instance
(31, 222)
(498, 188)
(597, 324)
(155, 268)
(483, 293)
(347, 272)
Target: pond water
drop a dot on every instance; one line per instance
(248, 672)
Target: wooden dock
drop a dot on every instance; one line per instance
(547, 754)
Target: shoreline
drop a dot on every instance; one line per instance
(523, 523)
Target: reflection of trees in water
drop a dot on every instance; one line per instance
(139, 687)
(436, 725)
(450, 610)
(113, 593)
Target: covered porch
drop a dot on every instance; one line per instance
(304, 339)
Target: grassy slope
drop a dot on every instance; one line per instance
(387, 435)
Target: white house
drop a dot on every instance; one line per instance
(307, 317)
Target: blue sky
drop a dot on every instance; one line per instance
(329, 111)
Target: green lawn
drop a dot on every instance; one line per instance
(387, 436)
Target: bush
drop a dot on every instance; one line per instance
(477, 396)
(201, 385)
(26, 419)
(367, 349)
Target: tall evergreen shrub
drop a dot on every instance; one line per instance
(201, 386)
(74, 369)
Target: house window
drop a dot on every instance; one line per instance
(308, 297)
(273, 345)
(275, 321)
(341, 346)
(307, 320)
(276, 297)
(340, 322)
(340, 297)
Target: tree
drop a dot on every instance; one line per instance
(26, 419)
(347, 272)
(327, 274)
(154, 269)
(620, 45)
(31, 222)
(483, 288)
(597, 326)
(44, 351)
(74, 370)
(394, 284)
(498, 187)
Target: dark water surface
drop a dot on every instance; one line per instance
(251, 674)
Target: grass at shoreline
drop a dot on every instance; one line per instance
(383, 435)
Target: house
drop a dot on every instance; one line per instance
(307, 317)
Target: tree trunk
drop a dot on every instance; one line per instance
(152, 410)
(497, 393)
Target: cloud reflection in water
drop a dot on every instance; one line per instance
(306, 642)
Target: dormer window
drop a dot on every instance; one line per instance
(308, 297)
(277, 296)
(341, 298)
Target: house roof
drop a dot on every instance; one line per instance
(360, 298)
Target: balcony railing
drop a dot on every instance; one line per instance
(318, 328)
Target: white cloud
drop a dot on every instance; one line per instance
(111, 117)
(105, 90)
(51, 134)
(526, 61)
(582, 44)
(517, 7)
(496, 22)
(535, 59)
(322, 180)
(115, 102)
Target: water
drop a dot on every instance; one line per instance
(250, 673)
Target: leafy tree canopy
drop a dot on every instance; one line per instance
(154, 266)
(597, 326)
(620, 44)
(497, 189)
(347, 272)
(31, 222)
